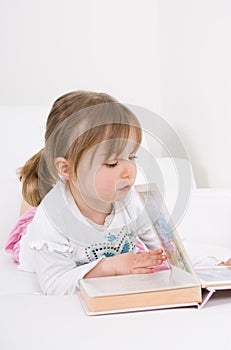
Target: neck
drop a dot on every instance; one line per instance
(97, 216)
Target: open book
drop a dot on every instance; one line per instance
(179, 284)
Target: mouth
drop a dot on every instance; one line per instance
(125, 188)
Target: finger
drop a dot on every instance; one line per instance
(151, 255)
(155, 263)
(146, 261)
(159, 254)
(156, 252)
(143, 270)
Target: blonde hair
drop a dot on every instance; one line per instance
(77, 122)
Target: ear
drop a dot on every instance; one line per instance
(63, 167)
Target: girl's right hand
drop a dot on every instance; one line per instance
(132, 263)
(127, 264)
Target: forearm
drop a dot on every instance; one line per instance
(105, 267)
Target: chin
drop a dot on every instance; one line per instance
(122, 195)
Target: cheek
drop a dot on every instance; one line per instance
(104, 181)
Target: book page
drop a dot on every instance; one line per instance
(214, 275)
(168, 236)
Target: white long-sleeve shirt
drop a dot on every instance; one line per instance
(61, 245)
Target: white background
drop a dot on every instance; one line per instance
(170, 56)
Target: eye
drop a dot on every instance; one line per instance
(111, 165)
(133, 157)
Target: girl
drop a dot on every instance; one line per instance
(88, 217)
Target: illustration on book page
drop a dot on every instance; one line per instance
(165, 229)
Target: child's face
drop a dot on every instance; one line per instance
(103, 181)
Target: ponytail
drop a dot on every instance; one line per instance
(32, 189)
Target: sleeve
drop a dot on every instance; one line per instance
(57, 273)
(49, 254)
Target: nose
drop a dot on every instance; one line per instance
(129, 170)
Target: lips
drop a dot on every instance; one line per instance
(125, 188)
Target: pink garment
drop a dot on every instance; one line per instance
(140, 246)
(19, 230)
